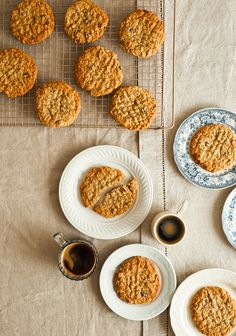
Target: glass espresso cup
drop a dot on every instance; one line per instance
(77, 259)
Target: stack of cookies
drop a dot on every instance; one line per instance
(97, 69)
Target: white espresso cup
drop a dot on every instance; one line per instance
(169, 228)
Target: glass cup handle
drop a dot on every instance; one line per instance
(182, 208)
(60, 239)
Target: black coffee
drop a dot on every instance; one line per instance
(170, 229)
(78, 258)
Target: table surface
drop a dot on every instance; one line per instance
(35, 298)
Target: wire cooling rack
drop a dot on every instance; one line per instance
(56, 57)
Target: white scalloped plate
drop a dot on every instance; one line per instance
(180, 316)
(86, 220)
(137, 312)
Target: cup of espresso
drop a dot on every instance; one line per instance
(169, 228)
(77, 259)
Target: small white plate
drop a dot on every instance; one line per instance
(229, 218)
(181, 320)
(134, 311)
(86, 220)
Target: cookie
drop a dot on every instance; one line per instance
(141, 33)
(32, 21)
(85, 22)
(213, 311)
(18, 72)
(137, 280)
(98, 71)
(96, 181)
(133, 107)
(118, 200)
(57, 104)
(213, 147)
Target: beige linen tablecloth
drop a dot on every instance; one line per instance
(35, 298)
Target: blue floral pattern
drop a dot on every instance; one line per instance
(229, 218)
(188, 168)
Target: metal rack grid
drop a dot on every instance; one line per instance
(56, 57)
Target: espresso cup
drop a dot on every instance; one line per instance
(77, 259)
(169, 228)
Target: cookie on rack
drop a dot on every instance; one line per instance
(137, 280)
(57, 104)
(213, 311)
(32, 21)
(96, 181)
(213, 147)
(133, 107)
(141, 33)
(85, 22)
(118, 200)
(98, 71)
(18, 72)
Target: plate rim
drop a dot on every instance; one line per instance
(143, 246)
(174, 142)
(182, 284)
(223, 219)
(136, 158)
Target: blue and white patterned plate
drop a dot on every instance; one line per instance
(188, 168)
(229, 218)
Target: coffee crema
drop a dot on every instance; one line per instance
(170, 229)
(78, 259)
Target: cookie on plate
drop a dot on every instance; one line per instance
(213, 147)
(98, 71)
(133, 107)
(18, 72)
(96, 181)
(85, 22)
(57, 104)
(137, 280)
(32, 21)
(118, 200)
(141, 33)
(213, 311)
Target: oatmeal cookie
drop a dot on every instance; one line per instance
(57, 104)
(118, 200)
(98, 71)
(137, 280)
(133, 107)
(32, 21)
(141, 33)
(18, 72)
(213, 147)
(213, 311)
(96, 181)
(85, 22)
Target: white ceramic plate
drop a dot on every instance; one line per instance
(86, 220)
(180, 316)
(187, 167)
(132, 311)
(229, 218)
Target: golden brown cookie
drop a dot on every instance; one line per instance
(213, 311)
(213, 147)
(57, 104)
(18, 72)
(32, 21)
(96, 181)
(118, 200)
(85, 22)
(141, 33)
(133, 107)
(98, 71)
(137, 280)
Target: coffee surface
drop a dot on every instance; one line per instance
(170, 229)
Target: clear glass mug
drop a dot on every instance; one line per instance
(77, 258)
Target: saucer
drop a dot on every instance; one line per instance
(229, 218)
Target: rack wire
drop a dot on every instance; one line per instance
(56, 57)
